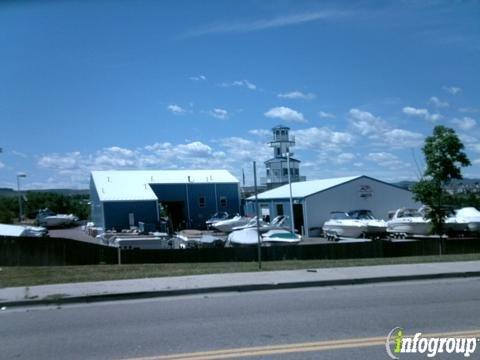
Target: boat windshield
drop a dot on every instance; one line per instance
(339, 216)
(279, 220)
(361, 215)
(409, 213)
(219, 216)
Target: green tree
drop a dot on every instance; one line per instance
(444, 157)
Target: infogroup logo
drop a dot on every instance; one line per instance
(461, 343)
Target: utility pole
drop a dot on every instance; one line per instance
(292, 225)
(20, 210)
(259, 244)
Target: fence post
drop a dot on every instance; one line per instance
(119, 255)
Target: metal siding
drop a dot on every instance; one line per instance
(96, 206)
(232, 193)
(169, 192)
(198, 215)
(347, 197)
(116, 213)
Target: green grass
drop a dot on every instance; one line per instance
(39, 275)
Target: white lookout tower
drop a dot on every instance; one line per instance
(277, 167)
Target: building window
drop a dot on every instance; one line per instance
(202, 201)
(278, 151)
(285, 172)
(268, 172)
(223, 201)
(296, 172)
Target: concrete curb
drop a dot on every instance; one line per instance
(236, 288)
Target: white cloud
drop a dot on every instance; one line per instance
(326, 115)
(386, 159)
(453, 90)
(316, 138)
(286, 114)
(240, 83)
(366, 123)
(476, 162)
(263, 24)
(2, 165)
(377, 129)
(219, 113)
(466, 123)
(345, 158)
(469, 110)
(437, 102)
(175, 109)
(260, 132)
(422, 113)
(474, 147)
(198, 78)
(399, 138)
(297, 95)
(60, 162)
(115, 157)
(19, 154)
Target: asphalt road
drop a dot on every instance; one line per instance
(135, 329)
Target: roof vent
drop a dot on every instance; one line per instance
(189, 178)
(108, 178)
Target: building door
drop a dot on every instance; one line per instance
(279, 209)
(176, 214)
(298, 217)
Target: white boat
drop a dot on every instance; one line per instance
(147, 242)
(199, 238)
(218, 216)
(469, 216)
(22, 230)
(249, 236)
(280, 236)
(374, 227)
(279, 222)
(454, 224)
(408, 222)
(228, 225)
(252, 223)
(48, 219)
(341, 224)
(243, 237)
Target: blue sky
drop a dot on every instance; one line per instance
(90, 85)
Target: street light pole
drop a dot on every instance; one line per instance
(292, 226)
(20, 210)
(257, 211)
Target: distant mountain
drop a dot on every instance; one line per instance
(405, 184)
(454, 184)
(6, 192)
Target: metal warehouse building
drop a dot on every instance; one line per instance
(121, 199)
(314, 200)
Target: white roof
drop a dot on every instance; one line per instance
(11, 230)
(303, 188)
(115, 185)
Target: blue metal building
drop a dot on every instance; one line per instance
(121, 199)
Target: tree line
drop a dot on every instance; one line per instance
(33, 201)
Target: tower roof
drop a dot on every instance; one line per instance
(280, 127)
